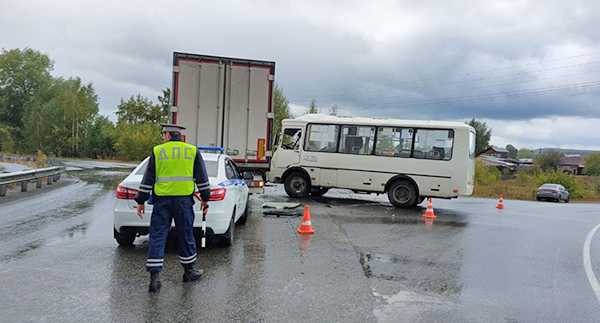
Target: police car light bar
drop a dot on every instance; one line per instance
(212, 148)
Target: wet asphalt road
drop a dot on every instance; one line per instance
(367, 262)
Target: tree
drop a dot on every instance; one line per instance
(524, 153)
(58, 118)
(102, 139)
(512, 151)
(549, 160)
(482, 135)
(312, 108)
(135, 140)
(592, 164)
(334, 110)
(22, 74)
(164, 101)
(281, 109)
(139, 109)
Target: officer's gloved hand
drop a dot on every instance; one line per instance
(204, 206)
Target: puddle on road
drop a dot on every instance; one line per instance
(71, 233)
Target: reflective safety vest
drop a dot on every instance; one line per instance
(174, 161)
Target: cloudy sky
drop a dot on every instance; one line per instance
(529, 69)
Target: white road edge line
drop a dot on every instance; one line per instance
(587, 262)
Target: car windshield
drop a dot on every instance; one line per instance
(212, 168)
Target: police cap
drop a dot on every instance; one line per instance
(171, 127)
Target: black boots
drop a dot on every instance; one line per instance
(190, 273)
(154, 282)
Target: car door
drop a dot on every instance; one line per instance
(244, 189)
(233, 187)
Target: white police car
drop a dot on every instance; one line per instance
(228, 203)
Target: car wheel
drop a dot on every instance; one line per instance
(297, 185)
(244, 217)
(402, 193)
(124, 238)
(227, 238)
(318, 191)
(537, 198)
(568, 199)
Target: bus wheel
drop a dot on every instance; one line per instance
(402, 194)
(318, 191)
(297, 185)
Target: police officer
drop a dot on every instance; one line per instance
(172, 170)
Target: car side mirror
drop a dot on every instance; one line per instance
(248, 175)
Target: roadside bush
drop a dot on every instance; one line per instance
(598, 185)
(40, 160)
(486, 175)
(136, 140)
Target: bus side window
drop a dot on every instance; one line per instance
(433, 144)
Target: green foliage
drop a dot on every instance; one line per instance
(22, 74)
(486, 174)
(512, 151)
(164, 101)
(482, 135)
(592, 164)
(135, 141)
(334, 110)
(548, 161)
(597, 186)
(281, 109)
(312, 108)
(6, 140)
(559, 177)
(523, 178)
(524, 153)
(102, 140)
(57, 119)
(139, 109)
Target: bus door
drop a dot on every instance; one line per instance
(288, 153)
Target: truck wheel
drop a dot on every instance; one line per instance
(242, 220)
(318, 191)
(227, 238)
(297, 185)
(124, 238)
(402, 193)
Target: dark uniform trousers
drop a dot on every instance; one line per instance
(165, 208)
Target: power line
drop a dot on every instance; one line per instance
(466, 74)
(482, 87)
(486, 97)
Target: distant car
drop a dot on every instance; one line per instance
(228, 203)
(552, 192)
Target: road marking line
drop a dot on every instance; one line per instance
(587, 263)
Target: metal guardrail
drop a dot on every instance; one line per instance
(52, 173)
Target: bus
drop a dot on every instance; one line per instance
(410, 160)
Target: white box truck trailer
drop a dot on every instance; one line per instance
(226, 103)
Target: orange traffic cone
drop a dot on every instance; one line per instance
(500, 203)
(429, 212)
(306, 226)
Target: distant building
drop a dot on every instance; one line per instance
(572, 163)
(496, 152)
(504, 165)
